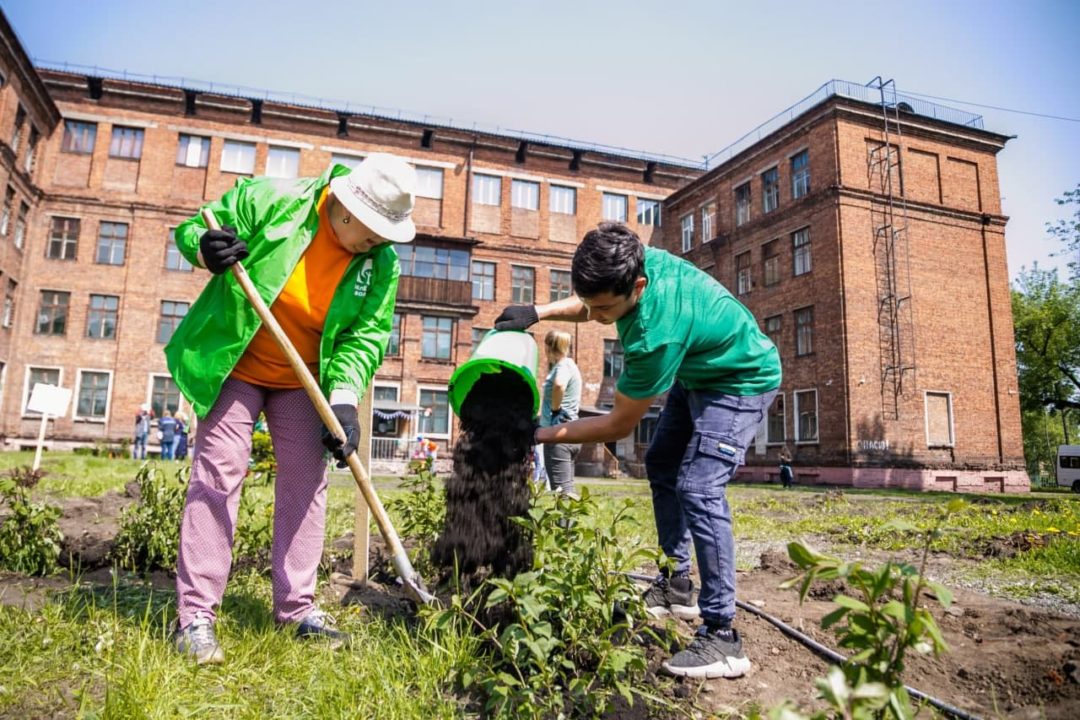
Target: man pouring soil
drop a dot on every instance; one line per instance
(682, 333)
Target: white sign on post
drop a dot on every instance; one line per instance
(49, 400)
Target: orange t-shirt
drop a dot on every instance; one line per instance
(300, 309)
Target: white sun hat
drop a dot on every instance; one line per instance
(379, 192)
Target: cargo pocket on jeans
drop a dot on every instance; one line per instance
(714, 461)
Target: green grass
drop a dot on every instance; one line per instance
(103, 652)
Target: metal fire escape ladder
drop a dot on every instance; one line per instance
(896, 332)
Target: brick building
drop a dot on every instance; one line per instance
(872, 251)
(864, 230)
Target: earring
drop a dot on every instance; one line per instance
(345, 220)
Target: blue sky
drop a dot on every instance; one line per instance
(685, 78)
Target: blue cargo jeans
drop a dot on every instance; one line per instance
(699, 443)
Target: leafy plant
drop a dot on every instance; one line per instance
(254, 528)
(149, 533)
(880, 626)
(30, 536)
(263, 463)
(563, 639)
(422, 508)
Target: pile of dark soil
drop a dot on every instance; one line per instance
(490, 482)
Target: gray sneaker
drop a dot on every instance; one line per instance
(317, 625)
(198, 641)
(672, 596)
(712, 654)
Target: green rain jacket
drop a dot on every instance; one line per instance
(278, 219)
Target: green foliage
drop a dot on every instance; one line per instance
(150, 529)
(1067, 231)
(422, 509)
(254, 527)
(30, 536)
(880, 622)
(1046, 316)
(263, 464)
(563, 639)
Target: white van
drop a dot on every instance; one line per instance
(1068, 466)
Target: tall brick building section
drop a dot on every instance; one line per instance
(97, 171)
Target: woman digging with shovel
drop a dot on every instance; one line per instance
(318, 250)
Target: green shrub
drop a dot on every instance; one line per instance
(30, 536)
(254, 528)
(150, 529)
(562, 640)
(263, 464)
(422, 509)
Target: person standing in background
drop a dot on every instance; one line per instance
(167, 434)
(787, 474)
(142, 431)
(562, 402)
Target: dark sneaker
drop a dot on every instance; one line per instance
(712, 654)
(320, 626)
(671, 596)
(198, 642)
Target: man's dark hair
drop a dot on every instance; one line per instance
(609, 259)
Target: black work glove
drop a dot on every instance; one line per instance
(517, 317)
(221, 249)
(559, 417)
(350, 423)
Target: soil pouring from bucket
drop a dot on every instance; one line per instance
(490, 482)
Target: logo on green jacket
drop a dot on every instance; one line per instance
(363, 279)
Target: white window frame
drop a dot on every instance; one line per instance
(562, 200)
(802, 261)
(397, 398)
(347, 159)
(686, 232)
(800, 179)
(551, 282)
(427, 184)
(282, 162)
(524, 194)
(475, 278)
(648, 216)
(438, 332)
(744, 275)
(487, 189)
(770, 194)
(742, 209)
(952, 417)
(783, 438)
(610, 203)
(817, 418)
(149, 397)
(197, 154)
(26, 387)
(795, 322)
(234, 157)
(708, 212)
(78, 388)
(532, 287)
(449, 412)
(173, 250)
(7, 315)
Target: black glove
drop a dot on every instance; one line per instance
(221, 249)
(346, 415)
(559, 417)
(517, 317)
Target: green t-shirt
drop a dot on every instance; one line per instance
(688, 327)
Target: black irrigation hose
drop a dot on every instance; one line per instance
(836, 657)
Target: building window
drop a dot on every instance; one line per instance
(101, 316)
(687, 232)
(283, 162)
(438, 332)
(432, 262)
(5, 218)
(648, 212)
(39, 376)
(126, 142)
(522, 284)
(429, 182)
(743, 275)
(773, 325)
(525, 195)
(804, 331)
(483, 280)
(349, 161)
(193, 151)
(52, 313)
(238, 157)
(165, 395)
(380, 395)
(561, 285)
(487, 190)
(563, 200)
(93, 396)
(438, 422)
(806, 425)
(800, 251)
(770, 190)
(79, 137)
(800, 175)
(173, 259)
(112, 243)
(393, 346)
(172, 312)
(9, 303)
(614, 207)
(31, 150)
(776, 430)
(939, 419)
(63, 239)
(613, 358)
(478, 335)
(16, 134)
(770, 262)
(20, 226)
(742, 204)
(707, 214)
